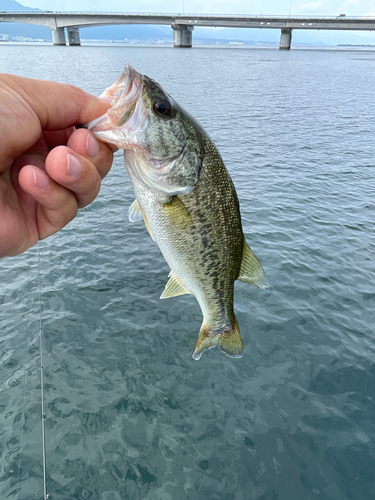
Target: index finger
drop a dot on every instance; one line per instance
(30, 107)
(57, 105)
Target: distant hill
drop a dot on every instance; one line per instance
(14, 30)
(13, 5)
(142, 33)
(300, 37)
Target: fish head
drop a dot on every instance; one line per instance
(126, 108)
(162, 142)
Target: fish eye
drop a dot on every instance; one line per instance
(162, 108)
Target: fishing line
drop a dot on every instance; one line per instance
(23, 410)
(44, 456)
(28, 344)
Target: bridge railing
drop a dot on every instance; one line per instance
(179, 14)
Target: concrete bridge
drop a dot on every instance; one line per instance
(182, 24)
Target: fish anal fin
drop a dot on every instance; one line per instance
(173, 288)
(229, 341)
(251, 270)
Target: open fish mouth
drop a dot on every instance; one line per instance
(125, 121)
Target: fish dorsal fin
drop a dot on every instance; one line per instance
(251, 271)
(135, 213)
(173, 288)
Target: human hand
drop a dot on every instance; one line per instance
(48, 169)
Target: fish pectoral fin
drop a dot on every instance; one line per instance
(173, 288)
(251, 270)
(229, 341)
(135, 212)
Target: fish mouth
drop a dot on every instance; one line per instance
(124, 122)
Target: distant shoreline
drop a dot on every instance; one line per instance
(355, 45)
(198, 44)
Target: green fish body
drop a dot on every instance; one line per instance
(187, 200)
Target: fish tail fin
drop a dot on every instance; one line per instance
(229, 341)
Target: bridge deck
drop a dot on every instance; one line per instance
(81, 19)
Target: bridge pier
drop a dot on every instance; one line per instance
(285, 38)
(73, 36)
(182, 35)
(58, 36)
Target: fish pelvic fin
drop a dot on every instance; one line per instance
(251, 270)
(136, 213)
(229, 341)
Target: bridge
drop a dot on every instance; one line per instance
(182, 24)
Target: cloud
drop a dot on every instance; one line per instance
(304, 7)
(350, 2)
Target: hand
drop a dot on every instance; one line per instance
(48, 169)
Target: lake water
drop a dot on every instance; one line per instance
(129, 413)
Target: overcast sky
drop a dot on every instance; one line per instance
(275, 7)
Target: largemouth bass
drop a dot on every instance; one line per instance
(187, 200)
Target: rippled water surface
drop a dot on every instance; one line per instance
(129, 413)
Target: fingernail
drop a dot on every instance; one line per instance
(92, 146)
(74, 167)
(41, 179)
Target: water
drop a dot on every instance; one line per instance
(130, 415)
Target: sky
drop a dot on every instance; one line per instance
(256, 7)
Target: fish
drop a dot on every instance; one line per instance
(187, 200)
